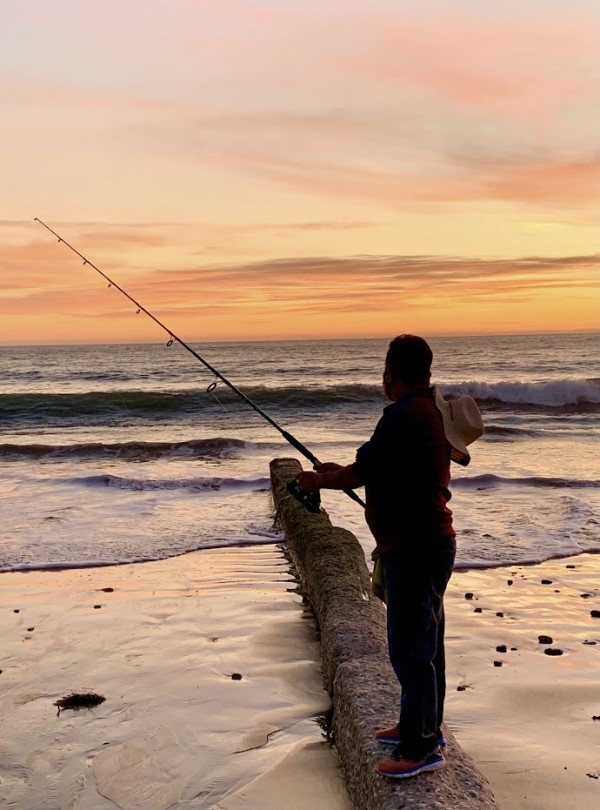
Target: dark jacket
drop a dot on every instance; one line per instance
(405, 467)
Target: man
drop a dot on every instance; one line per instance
(405, 468)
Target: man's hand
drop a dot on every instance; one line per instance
(329, 476)
(309, 481)
(328, 466)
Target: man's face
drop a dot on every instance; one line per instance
(387, 382)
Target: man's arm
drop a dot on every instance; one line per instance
(340, 478)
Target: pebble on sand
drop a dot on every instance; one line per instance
(497, 663)
(595, 614)
(553, 651)
(545, 639)
(501, 648)
(469, 595)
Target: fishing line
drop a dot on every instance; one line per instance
(211, 390)
(310, 500)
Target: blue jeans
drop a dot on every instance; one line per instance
(415, 583)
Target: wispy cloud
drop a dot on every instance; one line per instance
(551, 183)
(363, 283)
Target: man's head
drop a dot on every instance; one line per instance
(407, 363)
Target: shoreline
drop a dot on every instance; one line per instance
(468, 567)
(279, 543)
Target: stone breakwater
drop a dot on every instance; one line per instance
(357, 673)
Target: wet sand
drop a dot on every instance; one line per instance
(526, 717)
(177, 731)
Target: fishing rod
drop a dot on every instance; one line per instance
(310, 500)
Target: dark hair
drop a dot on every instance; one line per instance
(409, 358)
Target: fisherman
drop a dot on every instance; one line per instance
(405, 469)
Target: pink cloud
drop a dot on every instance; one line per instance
(511, 63)
(552, 183)
(516, 63)
(567, 185)
(483, 62)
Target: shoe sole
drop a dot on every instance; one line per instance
(431, 766)
(441, 741)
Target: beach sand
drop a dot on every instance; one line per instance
(177, 731)
(528, 723)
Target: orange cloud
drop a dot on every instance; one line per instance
(366, 284)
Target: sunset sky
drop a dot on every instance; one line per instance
(278, 169)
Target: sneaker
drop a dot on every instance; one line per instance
(391, 736)
(402, 768)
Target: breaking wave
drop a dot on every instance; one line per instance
(130, 451)
(190, 484)
(115, 405)
(551, 394)
(489, 480)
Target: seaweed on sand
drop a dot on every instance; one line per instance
(79, 700)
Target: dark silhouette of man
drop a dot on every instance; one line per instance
(405, 469)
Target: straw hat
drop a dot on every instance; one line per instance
(462, 424)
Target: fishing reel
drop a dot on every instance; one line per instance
(309, 500)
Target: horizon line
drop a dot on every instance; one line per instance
(17, 344)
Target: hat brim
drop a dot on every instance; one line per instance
(462, 424)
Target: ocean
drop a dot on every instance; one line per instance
(119, 453)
